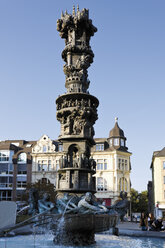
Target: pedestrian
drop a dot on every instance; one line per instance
(143, 222)
(157, 225)
(150, 219)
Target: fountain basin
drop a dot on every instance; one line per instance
(80, 229)
(88, 222)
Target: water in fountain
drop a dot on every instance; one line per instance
(102, 240)
(61, 223)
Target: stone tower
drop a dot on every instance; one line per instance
(76, 109)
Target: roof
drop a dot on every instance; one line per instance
(121, 149)
(160, 153)
(116, 131)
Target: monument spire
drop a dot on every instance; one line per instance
(76, 109)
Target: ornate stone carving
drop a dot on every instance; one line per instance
(76, 109)
(44, 141)
(76, 29)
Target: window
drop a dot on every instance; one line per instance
(111, 142)
(122, 164)
(60, 147)
(39, 165)
(6, 168)
(99, 147)
(119, 164)
(44, 148)
(5, 195)
(126, 166)
(21, 181)
(44, 165)
(6, 182)
(164, 165)
(22, 158)
(123, 184)
(101, 164)
(49, 165)
(116, 142)
(101, 184)
(4, 156)
(22, 168)
(122, 142)
(57, 165)
(105, 164)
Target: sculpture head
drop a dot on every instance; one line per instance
(88, 196)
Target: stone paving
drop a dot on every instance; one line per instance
(133, 229)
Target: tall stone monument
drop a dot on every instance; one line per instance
(77, 108)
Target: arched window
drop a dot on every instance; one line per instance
(22, 158)
(123, 184)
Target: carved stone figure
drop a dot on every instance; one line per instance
(76, 109)
(45, 203)
(66, 204)
(33, 201)
(86, 205)
(121, 206)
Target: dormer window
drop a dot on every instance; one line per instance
(116, 142)
(99, 147)
(122, 142)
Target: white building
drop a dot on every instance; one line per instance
(112, 163)
(158, 183)
(113, 166)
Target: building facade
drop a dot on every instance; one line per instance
(112, 159)
(113, 166)
(158, 183)
(23, 162)
(15, 168)
(46, 156)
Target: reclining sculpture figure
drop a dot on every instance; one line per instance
(87, 205)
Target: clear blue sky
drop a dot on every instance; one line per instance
(127, 76)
